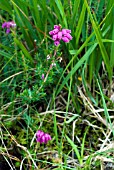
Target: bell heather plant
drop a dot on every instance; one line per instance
(42, 137)
(35, 92)
(58, 34)
(8, 25)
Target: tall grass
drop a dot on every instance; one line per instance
(74, 102)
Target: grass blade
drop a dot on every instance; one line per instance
(101, 45)
(76, 67)
(75, 149)
(61, 9)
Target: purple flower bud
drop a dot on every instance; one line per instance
(7, 31)
(47, 137)
(51, 32)
(4, 24)
(39, 133)
(8, 24)
(39, 140)
(57, 43)
(54, 37)
(43, 140)
(43, 76)
(59, 35)
(12, 24)
(42, 137)
(55, 31)
(68, 31)
(68, 36)
(65, 39)
(64, 31)
(57, 26)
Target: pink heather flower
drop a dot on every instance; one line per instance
(47, 137)
(51, 32)
(68, 31)
(39, 140)
(57, 26)
(57, 43)
(13, 24)
(39, 134)
(7, 31)
(68, 36)
(55, 31)
(65, 39)
(64, 31)
(54, 37)
(42, 137)
(59, 35)
(4, 24)
(43, 76)
(8, 25)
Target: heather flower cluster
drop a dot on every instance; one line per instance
(57, 34)
(8, 25)
(42, 137)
